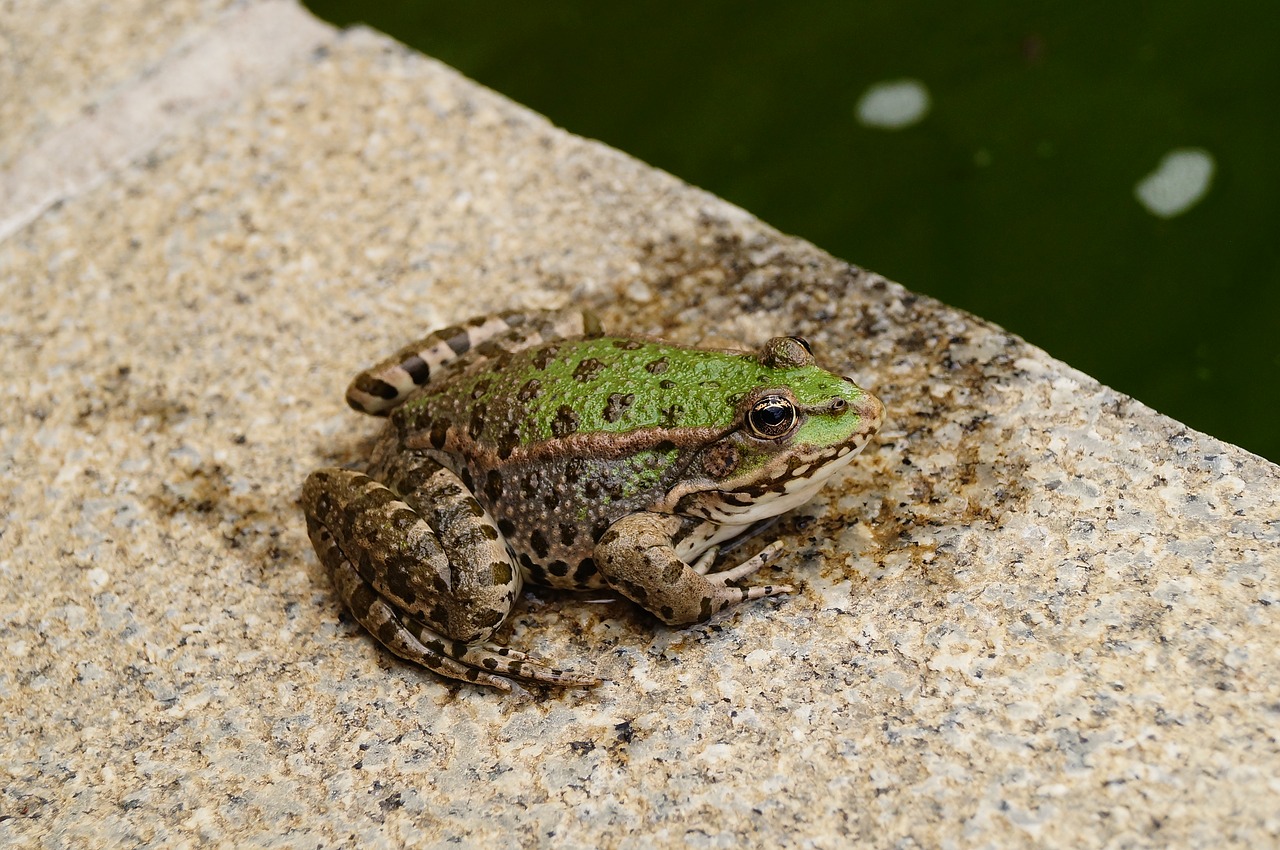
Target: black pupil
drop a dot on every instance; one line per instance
(772, 416)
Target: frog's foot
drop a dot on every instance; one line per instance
(484, 664)
(503, 660)
(384, 623)
(637, 558)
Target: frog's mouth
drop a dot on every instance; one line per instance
(787, 481)
(773, 496)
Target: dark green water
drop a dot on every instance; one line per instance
(1012, 198)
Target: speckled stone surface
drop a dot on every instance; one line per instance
(157, 68)
(1034, 611)
(59, 58)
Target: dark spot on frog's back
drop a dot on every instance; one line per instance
(587, 370)
(507, 442)
(476, 427)
(568, 533)
(617, 405)
(559, 569)
(543, 356)
(538, 541)
(657, 367)
(531, 390)
(566, 421)
(628, 344)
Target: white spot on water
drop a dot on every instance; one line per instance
(1179, 182)
(893, 104)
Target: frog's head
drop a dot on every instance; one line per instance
(791, 432)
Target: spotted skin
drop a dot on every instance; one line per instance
(531, 447)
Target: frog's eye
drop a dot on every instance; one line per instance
(804, 342)
(771, 417)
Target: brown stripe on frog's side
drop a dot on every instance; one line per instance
(607, 446)
(381, 388)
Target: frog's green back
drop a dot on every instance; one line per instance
(612, 386)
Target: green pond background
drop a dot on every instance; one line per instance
(1014, 196)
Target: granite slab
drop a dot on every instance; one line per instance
(1034, 611)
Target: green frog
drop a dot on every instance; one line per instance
(532, 447)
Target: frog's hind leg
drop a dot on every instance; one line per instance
(485, 664)
(425, 572)
(381, 388)
(382, 621)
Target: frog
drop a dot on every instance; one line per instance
(530, 447)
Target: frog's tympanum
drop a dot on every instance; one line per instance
(530, 447)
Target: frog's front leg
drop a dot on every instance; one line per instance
(637, 558)
(423, 568)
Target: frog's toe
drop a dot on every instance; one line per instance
(748, 567)
(504, 661)
(703, 565)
